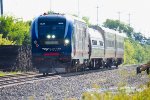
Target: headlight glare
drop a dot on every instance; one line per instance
(53, 36)
(67, 41)
(48, 36)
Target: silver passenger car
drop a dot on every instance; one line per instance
(97, 44)
(107, 46)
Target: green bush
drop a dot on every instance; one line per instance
(15, 30)
(4, 41)
(135, 52)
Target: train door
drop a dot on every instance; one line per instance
(78, 40)
(81, 43)
(85, 42)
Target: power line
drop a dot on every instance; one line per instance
(97, 14)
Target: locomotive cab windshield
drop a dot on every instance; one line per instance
(51, 31)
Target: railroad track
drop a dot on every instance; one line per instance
(22, 78)
(28, 77)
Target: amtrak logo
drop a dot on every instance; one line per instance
(45, 49)
(51, 49)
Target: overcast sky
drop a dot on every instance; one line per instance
(138, 9)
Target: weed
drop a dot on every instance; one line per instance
(120, 95)
(8, 73)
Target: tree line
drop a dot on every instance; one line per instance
(14, 31)
(137, 47)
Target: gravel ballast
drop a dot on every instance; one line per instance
(73, 86)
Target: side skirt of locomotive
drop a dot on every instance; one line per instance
(46, 66)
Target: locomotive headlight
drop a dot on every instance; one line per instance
(67, 41)
(48, 36)
(53, 36)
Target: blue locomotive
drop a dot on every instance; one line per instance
(62, 43)
(59, 43)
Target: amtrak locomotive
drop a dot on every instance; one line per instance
(62, 43)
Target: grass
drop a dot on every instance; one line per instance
(121, 94)
(8, 73)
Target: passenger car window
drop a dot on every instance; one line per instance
(94, 42)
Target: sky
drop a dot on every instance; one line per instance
(107, 9)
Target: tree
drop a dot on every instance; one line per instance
(148, 41)
(129, 53)
(136, 50)
(86, 19)
(19, 31)
(50, 12)
(15, 30)
(6, 23)
(138, 36)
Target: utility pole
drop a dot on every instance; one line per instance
(119, 15)
(118, 29)
(97, 14)
(1, 7)
(50, 5)
(129, 18)
(78, 9)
